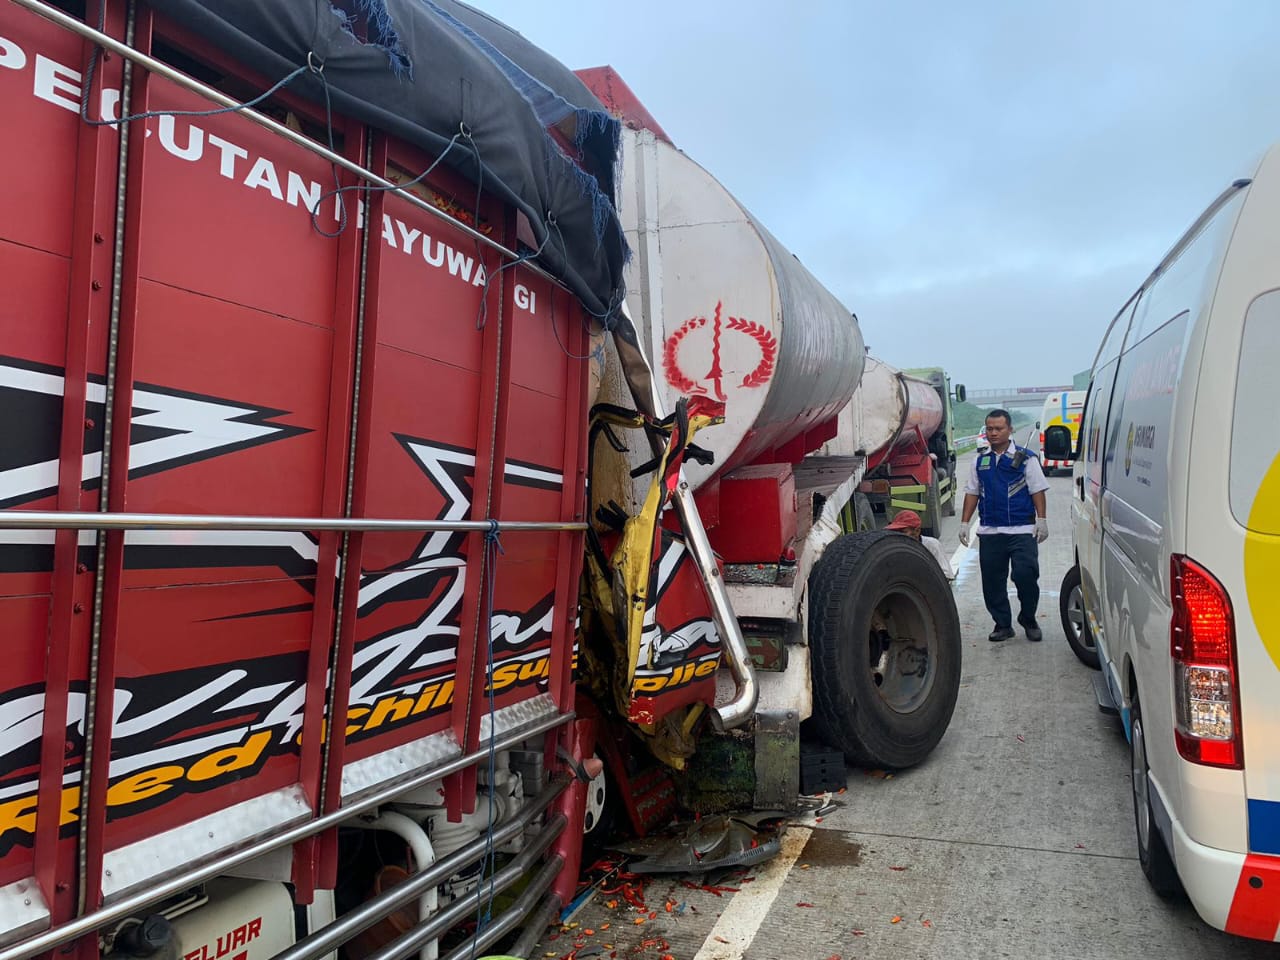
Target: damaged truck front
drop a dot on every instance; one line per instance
(304, 358)
(854, 635)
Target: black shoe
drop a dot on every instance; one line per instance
(1001, 633)
(1034, 634)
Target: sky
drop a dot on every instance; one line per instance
(983, 183)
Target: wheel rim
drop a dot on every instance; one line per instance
(902, 652)
(1141, 802)
(597, 795)
(1075, 617)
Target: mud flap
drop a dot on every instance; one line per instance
(777, 759)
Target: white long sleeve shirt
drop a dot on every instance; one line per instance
(1036, 483)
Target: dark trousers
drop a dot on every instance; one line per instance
(997, 552)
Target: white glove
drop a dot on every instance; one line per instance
(964, 534)
(1042, 529)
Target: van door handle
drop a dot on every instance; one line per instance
(1080, 486)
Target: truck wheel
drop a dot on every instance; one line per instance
(600, 816)
(1074, 623)
(1153, 854)
(884, 639)
(862, 512)
(948, 505)
(931, 519)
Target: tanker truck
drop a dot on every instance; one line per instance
(314, 639)
(911, 453)
(854, 634)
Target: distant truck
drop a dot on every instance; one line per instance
(1061, 409)
(915, 467)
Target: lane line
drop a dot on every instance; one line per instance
(742, 918)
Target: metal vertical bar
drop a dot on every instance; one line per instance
(360, 300)
(88, 307)
(313, 856)
(578, 737)
(115, 473)
(569, 546)
(486, 501)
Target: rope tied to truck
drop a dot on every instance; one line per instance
(548, 144)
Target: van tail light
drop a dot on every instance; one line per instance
(1202, 639)
(1041, 439)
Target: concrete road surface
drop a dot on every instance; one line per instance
(1015, 839)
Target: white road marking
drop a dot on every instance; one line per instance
(738, 925)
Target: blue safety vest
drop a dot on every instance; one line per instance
(1003, 497)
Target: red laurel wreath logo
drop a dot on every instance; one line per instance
(678, 378)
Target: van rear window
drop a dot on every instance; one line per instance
(1255, 429)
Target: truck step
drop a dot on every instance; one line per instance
(1103, 694)
(821, 769)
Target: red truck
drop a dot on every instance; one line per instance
(301, 358)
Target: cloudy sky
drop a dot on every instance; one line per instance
(983, 183)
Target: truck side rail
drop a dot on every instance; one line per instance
(89, 923)
(68, 520)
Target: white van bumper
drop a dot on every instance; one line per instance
(1235, 892)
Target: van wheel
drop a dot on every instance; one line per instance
(884, 641)
(1074, 623)
(1153, 854)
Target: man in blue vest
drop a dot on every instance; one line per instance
(1007, 487)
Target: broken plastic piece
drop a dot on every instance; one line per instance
(711, 843)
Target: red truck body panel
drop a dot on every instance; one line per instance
(236, 392)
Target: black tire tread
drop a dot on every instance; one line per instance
(834, 708)
(1086, 655)
(931, 525)
(1157, 865)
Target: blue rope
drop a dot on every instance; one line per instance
(88, 83)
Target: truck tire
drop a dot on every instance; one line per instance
(863, 514)
(948, 505)
(884, 643)
(931, 519)
(1074, 623)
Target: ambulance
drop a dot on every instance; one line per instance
(1176, 513)
(1061, 409)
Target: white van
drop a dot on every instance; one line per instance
(1065, 409)
(1176, 588)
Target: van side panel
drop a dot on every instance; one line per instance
(1235, 482)
(1150, 435)
(1090, 471)
(1088, 510)
(1150, 419)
